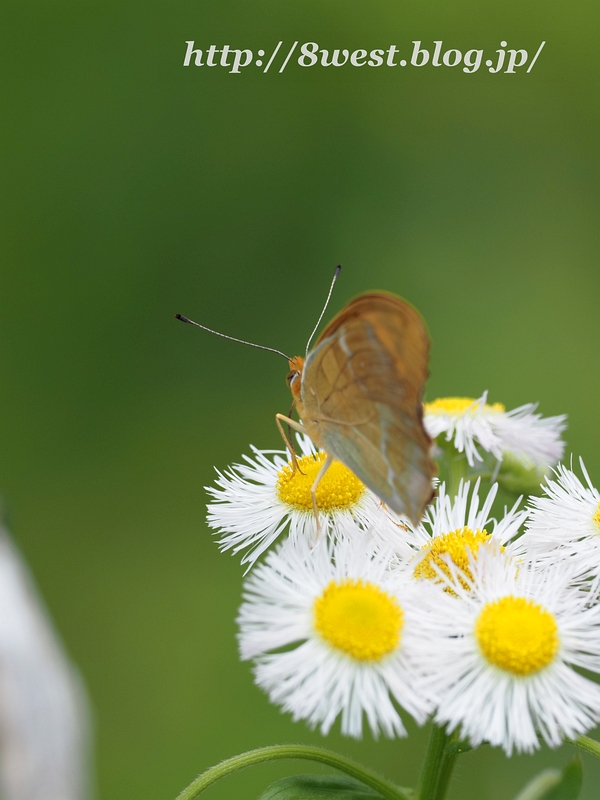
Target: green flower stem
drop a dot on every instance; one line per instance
(588, 745)
(449, 760)
(459, 469)
(437, 768)
(263, 754)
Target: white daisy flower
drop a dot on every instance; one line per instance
(255, 501)
(567, 521)
(507, 655)
(452, 529)
(533, 440)
(353, 635)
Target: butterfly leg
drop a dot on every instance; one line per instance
(297, 426)
(313, 489)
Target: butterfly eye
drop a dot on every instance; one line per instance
(292, 377)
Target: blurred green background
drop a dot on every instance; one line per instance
(135, 188)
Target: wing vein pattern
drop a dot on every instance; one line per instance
(362, 388)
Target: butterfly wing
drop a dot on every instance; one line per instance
(362, 389)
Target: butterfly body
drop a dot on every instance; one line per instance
(359, 396)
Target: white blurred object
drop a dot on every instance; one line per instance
(44, 719)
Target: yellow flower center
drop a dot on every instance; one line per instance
(517, 635)
(456, 544)
(358, 618)
(596, 517)
(457, 406)
(338, 489)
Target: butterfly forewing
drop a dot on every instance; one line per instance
(362, 389)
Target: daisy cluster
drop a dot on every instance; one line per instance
(485, 625)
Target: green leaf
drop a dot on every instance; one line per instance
(555, 785)
(570, 783)
(317, 787)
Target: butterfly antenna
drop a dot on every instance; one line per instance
(232, 338)
(338, 269)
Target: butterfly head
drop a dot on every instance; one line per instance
(294, 376)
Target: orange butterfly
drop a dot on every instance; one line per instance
(359, 396)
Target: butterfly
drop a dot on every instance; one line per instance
(358, 394)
